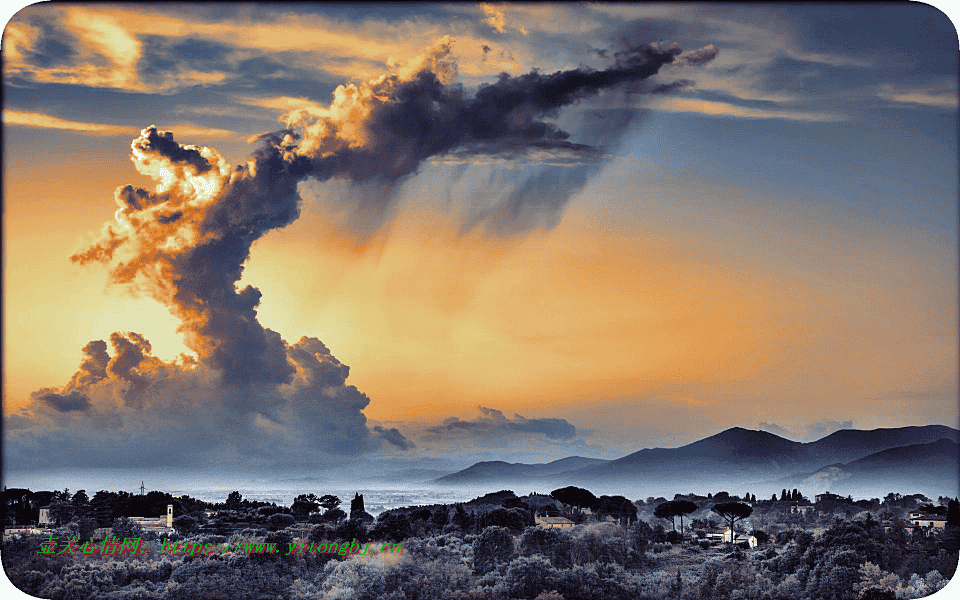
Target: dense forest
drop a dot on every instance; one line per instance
(492, 547)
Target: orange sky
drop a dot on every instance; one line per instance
(777, 256)
(604, 306)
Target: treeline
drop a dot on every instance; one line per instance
(850, 561)
(23, 506)
(490, 548)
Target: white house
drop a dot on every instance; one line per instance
(741, 537)
(717, 535)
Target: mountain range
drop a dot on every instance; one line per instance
(867, 463)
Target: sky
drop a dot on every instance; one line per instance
(309, 237)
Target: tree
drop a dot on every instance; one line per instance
(641, 535)
(233, 501)
(619, 507)
(280, 521)
(492, 546)
(753, 497)
(774, 498)
(304, 504)
(185, 524)
(529, 576)
(666, 511)
(61, 509)
(104, 507)
(552, 544)
(125, 528)
(356, 505)
(732, 512)
(329, 502)
(334, 516)
(462, 521)
(514, 519)
(783, 494)
(81, 503)
(575, 496)
(391, 527)
(953, 513)
(675, 508)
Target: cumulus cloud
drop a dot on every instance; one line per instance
(775, 429)
(821, 429)
(247, 396)
(493, 424)
(812, 432)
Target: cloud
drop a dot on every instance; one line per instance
(63, 402)
(775, 429)
(935, 97)
(394, 437)
(42, 121)
(821, 429)
(78, 46)
(493, 424)
(247, 396)
(725, 109)
(812, 432)
(495, 18)
(383, 130)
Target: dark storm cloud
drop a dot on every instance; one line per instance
(394, 437)
(411, 120)
(63, 402)
(493, 424)
(248, 395)
(94, 366)
(163, 144)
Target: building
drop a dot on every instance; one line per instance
(10, 533)
(716, 535)
(910, 528)
(740, 538)
(156, 524)
(828, 497)
(802, 509)
(45, 517)
(928, 523)
(554, 522)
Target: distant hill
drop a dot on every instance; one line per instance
(740, 458)
(847, 445)
(503, 471)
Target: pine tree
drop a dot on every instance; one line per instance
(953, 513)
